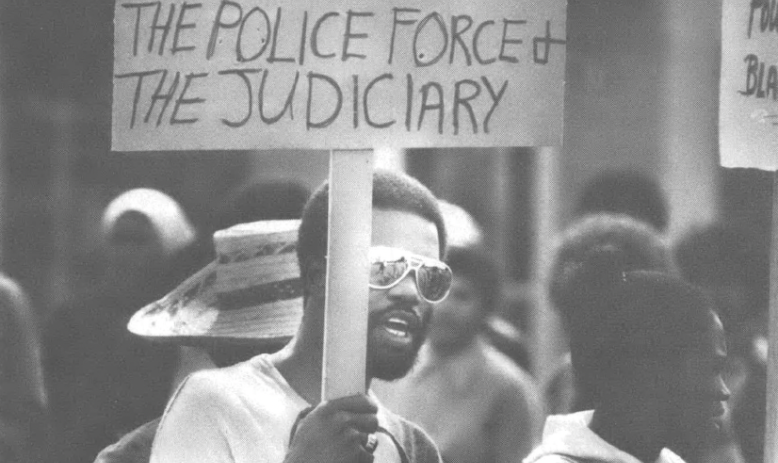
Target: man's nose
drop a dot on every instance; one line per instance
(405, 289)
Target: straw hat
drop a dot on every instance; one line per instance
(251, 293)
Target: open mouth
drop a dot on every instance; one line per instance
(396, 326)
(399, 326)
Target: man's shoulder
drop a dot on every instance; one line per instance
(134, 447)
(415, 442)
(505, 372)
(224, 384)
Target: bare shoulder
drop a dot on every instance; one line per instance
(507, 372)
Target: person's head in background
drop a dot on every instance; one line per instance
(639, 244)
(142, 231)
(500, 318)
(462, 230)
(625, 192)
(275, 199)
(732, 266)
(651, 349)
(253, 201)
(473, 296)
(641, 247)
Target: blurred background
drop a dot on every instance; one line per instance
(642, 86)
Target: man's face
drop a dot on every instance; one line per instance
(398, 316)
(698, 391)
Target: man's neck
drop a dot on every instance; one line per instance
(446, 350)
(630, 431)
(301, 367)
(300, 362)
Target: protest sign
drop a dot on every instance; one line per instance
(250, 74)
(748, 103)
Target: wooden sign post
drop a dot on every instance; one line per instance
(748, 137)
(338, 75)
(350, 209)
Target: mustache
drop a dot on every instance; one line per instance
(417, 318)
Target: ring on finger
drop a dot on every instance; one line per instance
(371, 443)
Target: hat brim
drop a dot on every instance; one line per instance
(195, 314)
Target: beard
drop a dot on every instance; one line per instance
(389, 361)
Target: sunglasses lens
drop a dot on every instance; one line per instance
(434, 282)
(387, 273)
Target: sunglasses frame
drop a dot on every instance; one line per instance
(414, 263)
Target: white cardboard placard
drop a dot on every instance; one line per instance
(253, 74)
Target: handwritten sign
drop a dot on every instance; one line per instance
(748, 108)
(257, 74)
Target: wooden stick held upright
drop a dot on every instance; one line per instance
(771, 425)
(347, 291)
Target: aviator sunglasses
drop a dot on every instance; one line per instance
(389, 266)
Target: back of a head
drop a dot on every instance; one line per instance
(640, 247)
(265, 200)
(628, 319)
(723, 255)
(392, 190)
(625, 192)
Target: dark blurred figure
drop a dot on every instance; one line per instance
(506, 328)
(652, 350)
(474, 401)
(265, 200)
(625, 192)
(103, 381)
(732, 266)
(642, 248)
(271, 200)
(500, 328)
(23, 408)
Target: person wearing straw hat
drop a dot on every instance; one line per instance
(270, 408)
(249, 299)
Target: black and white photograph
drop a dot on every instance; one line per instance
(353, 231)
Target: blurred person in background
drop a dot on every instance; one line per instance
(653, 350)
(642, 248)
(508, 327)
(500, 327)
(103, 382)
(23, 407)
(625, 192)
(732, 266)
(475, 402)
(277, 199)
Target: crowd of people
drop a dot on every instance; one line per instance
(207, 345)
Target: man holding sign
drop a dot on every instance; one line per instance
(270, 408)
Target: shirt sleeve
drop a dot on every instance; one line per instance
(193, 428)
